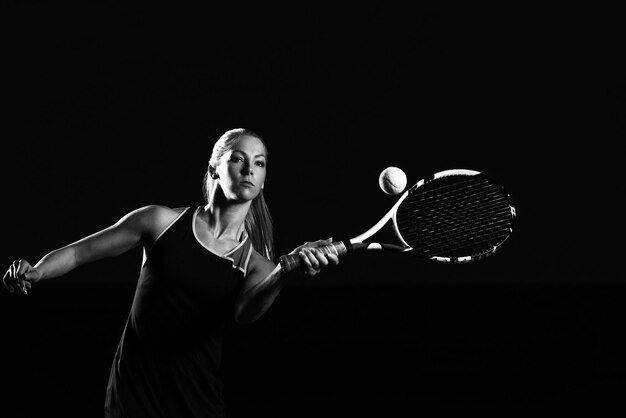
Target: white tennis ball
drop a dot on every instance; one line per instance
(392, 180)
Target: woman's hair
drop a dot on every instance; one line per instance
(258, 221)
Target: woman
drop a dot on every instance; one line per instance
(200, 265)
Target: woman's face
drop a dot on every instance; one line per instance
(241, 170)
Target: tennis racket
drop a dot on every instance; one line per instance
(453, 216)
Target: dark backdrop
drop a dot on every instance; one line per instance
(112, 106)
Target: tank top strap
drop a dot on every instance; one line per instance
(185, 212)
(240, 255)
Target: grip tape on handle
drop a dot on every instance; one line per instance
(291, 262)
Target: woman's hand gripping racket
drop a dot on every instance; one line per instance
(454, 216)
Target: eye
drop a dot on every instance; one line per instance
(260, 163)
(236, 158)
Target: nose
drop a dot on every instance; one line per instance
(247, 169)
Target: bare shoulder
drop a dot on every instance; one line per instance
(153, 218)
(259, 264)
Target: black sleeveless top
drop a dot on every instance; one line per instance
(167, 363)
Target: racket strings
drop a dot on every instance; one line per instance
(452, 243)
(448, 194)
(444, 189)
(453, 209)
(484, 217)
(464, 218)
(485, 225)
(450, 210)
(473, 238)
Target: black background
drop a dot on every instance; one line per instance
(112, 106)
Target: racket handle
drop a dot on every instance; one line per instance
(291, 262)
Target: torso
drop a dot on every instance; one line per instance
(168, 359)
(163, 216)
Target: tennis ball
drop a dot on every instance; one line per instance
(392, 180)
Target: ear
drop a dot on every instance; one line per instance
(213, 173)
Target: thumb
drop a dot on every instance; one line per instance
(31, 275)
(325, 242)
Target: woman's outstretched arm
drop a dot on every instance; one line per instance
(114, 240)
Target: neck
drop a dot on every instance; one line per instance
(226, 220)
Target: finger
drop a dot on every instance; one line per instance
(6, 279)
(7, 275)
(305, 259)
(333, 258)
(22, 287)
(320, 257)
(21, 267)
(312, 255)
(14, 282)
(12, 274)
(308, 260)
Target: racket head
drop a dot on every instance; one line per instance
(454, 216)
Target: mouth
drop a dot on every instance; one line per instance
(246, 183)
